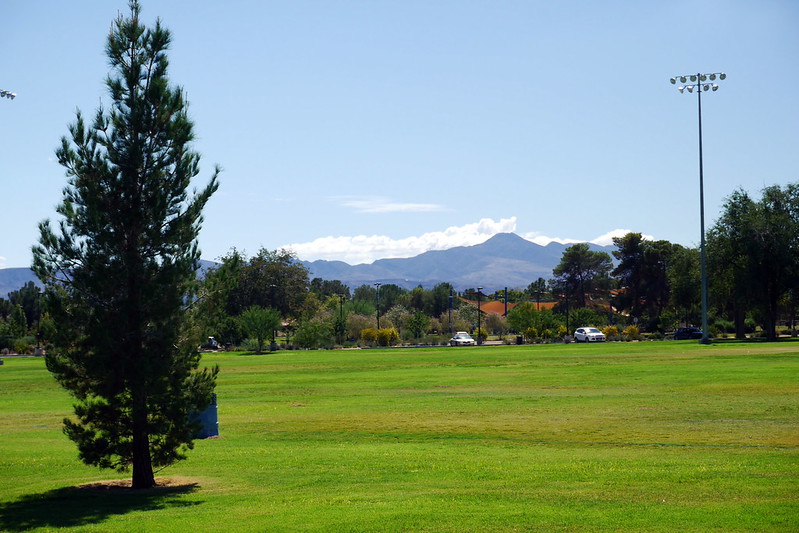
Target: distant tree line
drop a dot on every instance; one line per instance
(753, 269)
(652, 286)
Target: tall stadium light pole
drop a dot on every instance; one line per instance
(7, 94)
(378, 304)
(699, 83)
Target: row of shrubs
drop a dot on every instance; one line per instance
(21, 345)
(371, 337)
(390, 337)
(532, 335)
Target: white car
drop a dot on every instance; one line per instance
(462, 338)
(588, 335)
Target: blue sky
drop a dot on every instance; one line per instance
(356, 130)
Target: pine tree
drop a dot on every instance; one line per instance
(121, 267)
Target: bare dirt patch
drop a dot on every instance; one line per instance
(161, 483)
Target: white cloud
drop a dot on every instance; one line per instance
(365, 249)
(543, 240)
(368, 248)
(603, 240)
(378, 204)
(3, 261)
(607, 238)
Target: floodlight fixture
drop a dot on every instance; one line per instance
(8, 94)
(699, 88)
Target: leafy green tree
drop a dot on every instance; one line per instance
(270, 279)
(439, 299)
(27, 297)
(642, 273)
(537, 290)
(210, 309)
(313, 333)
(365, 293)
(516, 295)
(684, 280)
(420, 300)
(361, 307)
(756, 251)
(584, 316)
(465, 319)
(399, 316)
(5, 308)
(526, 316)
(390, 295)
(630, 272)
(122, 266)
(582, 273)
(17, 323)
(324, 288)
(338, 308)
(417, 324)
(260, 323)
(495, 324)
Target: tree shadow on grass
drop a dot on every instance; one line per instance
(88, 504)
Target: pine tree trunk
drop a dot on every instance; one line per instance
(143, 477)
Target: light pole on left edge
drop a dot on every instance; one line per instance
(378, 304)
(701, 82)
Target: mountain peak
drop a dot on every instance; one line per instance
(507, 242)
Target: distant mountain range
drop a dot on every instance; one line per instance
(12, 279)
(504, 260)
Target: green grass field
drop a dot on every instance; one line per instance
(654, 436)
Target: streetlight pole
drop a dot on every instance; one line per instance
(479, 337)
(378, 304)
(699, 82)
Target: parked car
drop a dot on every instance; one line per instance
(462, 338)
(588, 335)
(687, 333)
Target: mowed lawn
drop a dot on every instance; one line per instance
(651, 436)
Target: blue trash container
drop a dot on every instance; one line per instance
(209, 421)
